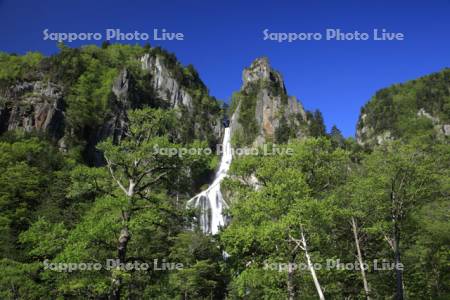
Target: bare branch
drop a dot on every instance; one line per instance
(113, 176)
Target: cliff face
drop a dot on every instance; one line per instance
(33, 105)
(262, 110)
(166, 87)
(43, 102)
(415, 108)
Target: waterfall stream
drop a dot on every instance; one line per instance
(211, 202)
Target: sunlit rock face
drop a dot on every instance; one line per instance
(263, 92)
(39, 102)
(260, 69)
(164, 83)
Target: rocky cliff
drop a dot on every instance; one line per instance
(82, 95)
(262, 111)
(416, 108)
(166, 87)
(33, 105)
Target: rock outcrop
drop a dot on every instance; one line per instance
(40, 104)
(415, 108)
(443, 129)
(263, 111)
(36, 105)
(165, 85)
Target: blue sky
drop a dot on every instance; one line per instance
(223, 37)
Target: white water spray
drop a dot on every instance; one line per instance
(211, 202)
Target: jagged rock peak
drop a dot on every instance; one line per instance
(260, 69)
(263, 111)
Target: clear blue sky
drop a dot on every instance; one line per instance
(223, 37)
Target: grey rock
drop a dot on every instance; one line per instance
(166, 86)
(39, 105)
(446, 129)
(235, 126)
(423, 113)
(121, 85)
(260, 69)
(271, 106)
(36, 105)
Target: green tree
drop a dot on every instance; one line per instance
(317, 125)
(90, 98)
(283, 220)
(336, 137)
(136, 168)
(201, 276)
(402, 178)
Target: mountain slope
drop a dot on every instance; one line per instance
(417, 107)
(80, 95)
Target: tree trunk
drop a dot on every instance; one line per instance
(398, 271)
(360, 259)
(123, 240)
(290, 279)
(396, 212)
(311, 268)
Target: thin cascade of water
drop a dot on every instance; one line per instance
(211, 202)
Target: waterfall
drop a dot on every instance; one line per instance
(210, 202)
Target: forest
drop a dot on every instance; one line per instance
(334, 219)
